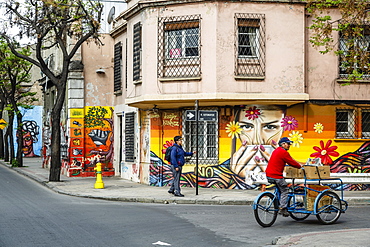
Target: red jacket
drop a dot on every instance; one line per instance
(277, 162)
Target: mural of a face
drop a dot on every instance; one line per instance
(263, 128)
(27, 145)
(30, 131)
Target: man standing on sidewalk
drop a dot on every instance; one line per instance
(275, 168)
(177, 161)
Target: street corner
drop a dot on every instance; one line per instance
(347, 237)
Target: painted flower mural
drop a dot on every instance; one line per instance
(233, 129)
(289, 123)
(324, 152)
(167, 145)
(296, 138)
(318, 127)
(253, 112)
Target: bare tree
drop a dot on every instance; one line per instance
(54, 24)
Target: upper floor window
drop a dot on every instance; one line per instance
(353, 123)
(354, 53)
(250, 45)
(179, 46)
(136, 65)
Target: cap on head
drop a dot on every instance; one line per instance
(176, 138)
(285, 140)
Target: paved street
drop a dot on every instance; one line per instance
(224, 217)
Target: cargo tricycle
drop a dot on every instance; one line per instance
(311, 198)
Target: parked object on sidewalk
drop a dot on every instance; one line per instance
(99, 184)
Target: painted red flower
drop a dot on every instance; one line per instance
(167, 145)
(289, 123)
(325, 152)
(252, 113)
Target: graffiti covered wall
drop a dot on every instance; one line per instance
(31, 129)
(91, 141)
(248, 136)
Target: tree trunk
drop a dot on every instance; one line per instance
(56, 163)
(11, 138)
(19, 135)
(6, 146)
(2, 151)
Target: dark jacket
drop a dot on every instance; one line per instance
(178, 156)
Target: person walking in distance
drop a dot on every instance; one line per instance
(275, 168)
(177, 161)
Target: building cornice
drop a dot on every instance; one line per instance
(138, 7)
(214, 99)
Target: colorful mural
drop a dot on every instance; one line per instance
(250, 134)
(32, 140)
(91, 141)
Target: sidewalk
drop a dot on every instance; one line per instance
(119, 189)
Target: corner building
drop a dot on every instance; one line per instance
(251, 68)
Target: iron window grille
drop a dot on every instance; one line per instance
(365, 123)
(179, 46)
(137, 52)
(353, 123)
(207, 140)
(117, 66)
(354, 53)
(130, 137)
(250, 45)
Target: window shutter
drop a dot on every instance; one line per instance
(130, 137)
(117, 66)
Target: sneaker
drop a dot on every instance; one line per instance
(171, 192)
(284, 212)
(179, 194)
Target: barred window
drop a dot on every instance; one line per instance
(137, 52)
(207, 140)
(353, 123)
(250, 45)
(345, 123)
(365, 123)
(179, 46)
(354, 53)
(117, 66)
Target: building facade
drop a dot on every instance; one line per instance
(249, 69)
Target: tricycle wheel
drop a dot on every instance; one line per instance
(328, 207)
(266, 210)
(296, 203)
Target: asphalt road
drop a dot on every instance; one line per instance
(32, 215)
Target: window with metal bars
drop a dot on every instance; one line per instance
(353, 123)
(130, 137)
(354, 53)
(207, 140)
(179, 46)
(250, 45)
(117, 66)
(137, 52)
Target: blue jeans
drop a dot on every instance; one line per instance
(283, 188)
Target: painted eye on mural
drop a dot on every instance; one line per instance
(247, 126)
(270, 127)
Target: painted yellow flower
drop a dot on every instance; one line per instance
(296, 138)
(233, 129)
(318, 127)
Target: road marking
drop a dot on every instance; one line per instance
(161, 243)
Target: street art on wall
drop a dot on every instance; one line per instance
(91, 141)
(31, 125)
(251, 133)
